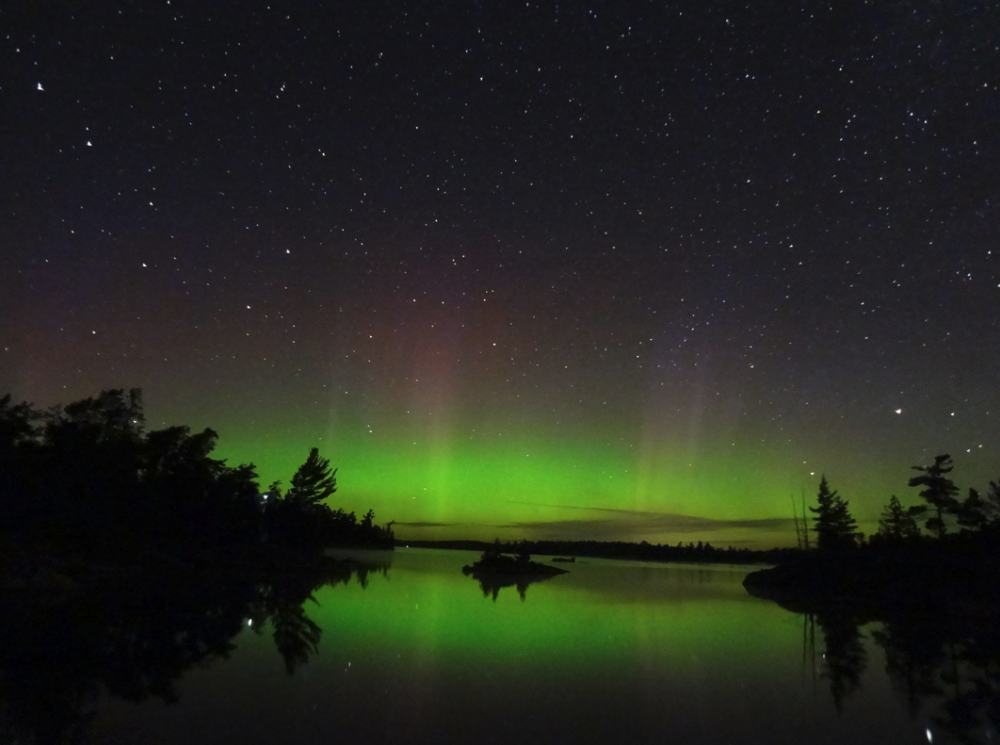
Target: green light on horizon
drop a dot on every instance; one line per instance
(479, 480)
(484, 480)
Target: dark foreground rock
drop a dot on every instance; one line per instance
(886, 582)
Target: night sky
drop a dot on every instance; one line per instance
(609, 270)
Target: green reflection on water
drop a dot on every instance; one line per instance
(611, 652)
(599, 612)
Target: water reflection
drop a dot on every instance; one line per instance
(612, 652)
(844, 658)
(950, 667)
(496, 570)
(491, 584)
(136, 640)
(946, 668)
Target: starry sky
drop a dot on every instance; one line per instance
(612, 270)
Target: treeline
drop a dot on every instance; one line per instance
(644, 551)
(935, 558)
(88, 476)
(974, 519)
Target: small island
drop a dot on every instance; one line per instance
(493, 562)
(496, 570)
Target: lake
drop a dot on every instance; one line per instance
(411, 650)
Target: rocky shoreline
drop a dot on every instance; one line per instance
(909, 580)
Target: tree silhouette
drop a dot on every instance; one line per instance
(313, 482)
(112, 413)
(20, 429)
(368, 520)
(973, 512)
(18, 424)
(86, 475)
(87, 478)
(939, 491)
(897, 522)
(835, 528)
(993, 504)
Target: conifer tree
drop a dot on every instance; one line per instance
(993, 504)
(973, 512)
(897, 522)
(835, 528)
(939, 492)
(313, 482)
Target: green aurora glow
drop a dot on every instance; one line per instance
(469, 485)
(675, 261)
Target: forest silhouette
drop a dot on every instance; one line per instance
(950, 569)
(86, 481)
(928, 585)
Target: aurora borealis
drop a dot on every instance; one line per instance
(618, 270)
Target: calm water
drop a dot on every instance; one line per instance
(611, 652)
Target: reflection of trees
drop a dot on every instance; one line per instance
(495, 570)
(911, 660)
(55, 662)
(363, 570)
(844, 657)
(136, 641)
(296, 635)
(491, 584)
(283, 602)
(949, 668)
(945, 667)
